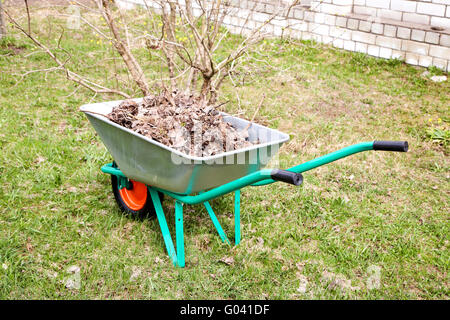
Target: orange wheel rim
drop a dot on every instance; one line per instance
(135, 198)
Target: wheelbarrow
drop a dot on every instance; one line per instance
(144, 170)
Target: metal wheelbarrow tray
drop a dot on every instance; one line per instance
(148, 161)
(143, 170)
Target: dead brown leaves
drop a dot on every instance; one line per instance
(180, 121)
(227, 260)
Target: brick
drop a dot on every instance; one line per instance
(349, 45)
(383, 4)
(340, 33)
(300, 26)
(259, 7)
(377, 28)
(338, 43)
(373, 50)
(431, 9)
(440, 52)
(330, 19)
(269, 8)
(363, 37)
(291, 22)
(280, 22)
(385, 53)
(445, 40)
(341, 22)
(319, 18)
(440, 22)
(249, 4)
(268, 28)
(389, 14)
(365, 10)
(316, 37)
(233, 29)
(306, 36)
(412, 58)
(227, 20)
(327, 40)
(437, 1)
(398, 55)
(390, 31)
(343, 2)
(260, 17)
(404, 6)
(415, 47)
(388, 42)
(365, 26)
(425, 61)
(277, 30)
(246, 32)
(360, 47)
(251, 24)
(416, 18)
(432, 37)
(309, 16)
(296, 34)
(334, 9)
(298, 13)
(321, 29)
(352, 24)
(418, 35)
(404, 33)
(439, 63)
(243, 13)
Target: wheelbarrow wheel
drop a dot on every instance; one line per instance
(135, 201)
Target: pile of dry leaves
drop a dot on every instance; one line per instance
(179, 120)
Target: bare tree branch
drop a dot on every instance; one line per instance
(187, 37)
(133, 66)
(2, 21)
(61, 65)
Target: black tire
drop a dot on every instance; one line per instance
(148, 211)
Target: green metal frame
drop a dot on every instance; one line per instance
(259, 178)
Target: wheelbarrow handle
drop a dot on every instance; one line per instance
(287, 176)
(399, 146)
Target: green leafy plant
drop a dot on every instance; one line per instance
(438, 132)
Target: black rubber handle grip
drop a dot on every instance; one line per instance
(399, 146)
(286, 176)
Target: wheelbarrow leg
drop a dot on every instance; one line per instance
(179, 233)
(163, 225)
(216, 222)
(237, 216)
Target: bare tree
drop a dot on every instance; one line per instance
(186, 34)
(200, 54)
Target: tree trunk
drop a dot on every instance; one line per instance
(132, 64)
(2, 22)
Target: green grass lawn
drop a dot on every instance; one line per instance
(373, 216)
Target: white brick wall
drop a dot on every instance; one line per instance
(417, 11)
(431, 9)
(440, 22)
(417, 31)
(403, 5)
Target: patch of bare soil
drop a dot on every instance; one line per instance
(180, 121)
(12, 49)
